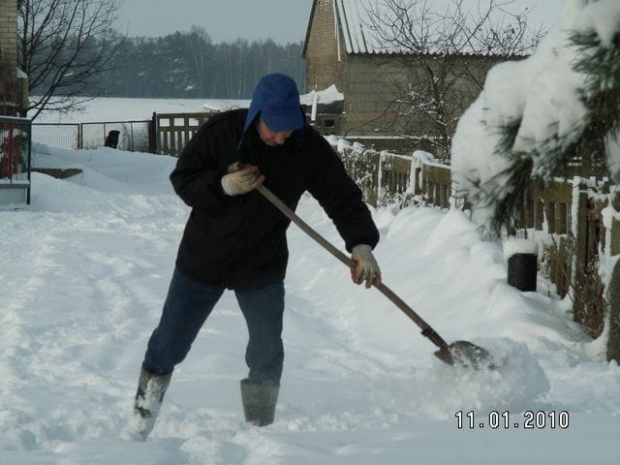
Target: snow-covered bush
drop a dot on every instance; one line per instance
(536, 114)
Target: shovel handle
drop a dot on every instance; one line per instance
(427, 331)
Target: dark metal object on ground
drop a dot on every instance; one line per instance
(522, 271)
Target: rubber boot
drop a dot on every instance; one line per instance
(148, 400)
(259, 401)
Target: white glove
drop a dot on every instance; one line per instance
(241, 179)
(366, 267)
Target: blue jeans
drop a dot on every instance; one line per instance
(187, 307)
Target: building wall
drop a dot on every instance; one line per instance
(367, 87)
(323, 65)
(328, 63)
(372, 85)
(8, 57)
(8, 30)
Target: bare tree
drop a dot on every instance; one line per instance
(63, 46)
(445, 57)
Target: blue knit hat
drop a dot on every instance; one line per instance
(276, 99)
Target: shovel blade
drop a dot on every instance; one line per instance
(467, 355)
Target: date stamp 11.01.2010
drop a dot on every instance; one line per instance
(527, 420)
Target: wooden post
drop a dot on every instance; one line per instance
(612, 303)
(581, 251)
(152, 134)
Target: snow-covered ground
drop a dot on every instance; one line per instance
(136, 109)
(85, 270)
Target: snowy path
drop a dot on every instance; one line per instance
(85, 273)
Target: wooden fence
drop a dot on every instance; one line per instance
(576, 223)
(387, 178)
(174, 130)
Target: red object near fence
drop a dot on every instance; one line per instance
(11, 152)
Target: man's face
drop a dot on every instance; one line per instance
(272, 138)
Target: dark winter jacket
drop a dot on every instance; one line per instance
(240, 241)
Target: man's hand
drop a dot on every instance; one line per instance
(366, 267)
(241, 179)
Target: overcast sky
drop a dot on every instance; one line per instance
(226, 20)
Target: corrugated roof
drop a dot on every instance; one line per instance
(354, 18)
(360, 36)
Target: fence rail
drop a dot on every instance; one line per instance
(59, 135)
(132, 136)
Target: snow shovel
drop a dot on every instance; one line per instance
(459, 353)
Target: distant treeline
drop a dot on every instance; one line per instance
(190, 65)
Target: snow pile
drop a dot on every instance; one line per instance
(542, 95)
(85, 271)
(513, 246)
(325, 96)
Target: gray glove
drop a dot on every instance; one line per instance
(366, 267)
(241, 179)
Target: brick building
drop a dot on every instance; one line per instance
(9, 95)
(343, 48)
